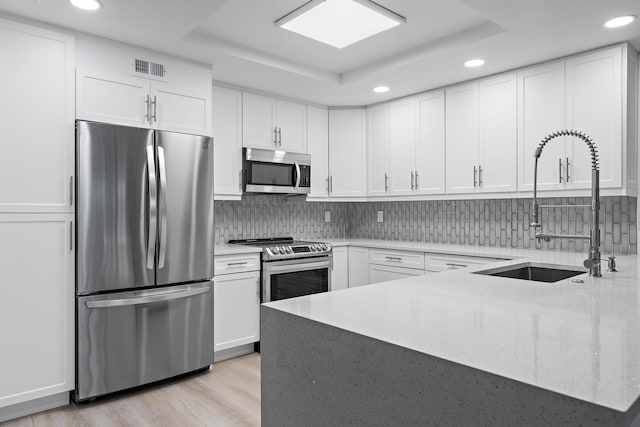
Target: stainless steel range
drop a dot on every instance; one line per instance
(292, 268)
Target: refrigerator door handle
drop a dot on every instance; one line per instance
(148, 299)
(153, 207)
(163, 207)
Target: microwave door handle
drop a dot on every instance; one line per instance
(297, 165)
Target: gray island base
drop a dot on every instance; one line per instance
(315, 374)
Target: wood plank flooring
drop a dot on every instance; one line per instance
(226, 395)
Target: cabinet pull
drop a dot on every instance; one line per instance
(258, 290)
(479, 175)
(280, 137)
(71, 191)
(475, 179)
(240, 179)
(412, 178)
(417, 182)
(330, 184)
(454, 265)
(234, 264)
(147, 108)
(275, 135)
(71, 236)
(567, 169)
(386, 182)
(155, 109)
(394, 258)
(560, 170)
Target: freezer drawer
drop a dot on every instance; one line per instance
(132, 338)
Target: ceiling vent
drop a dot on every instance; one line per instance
(148, 69)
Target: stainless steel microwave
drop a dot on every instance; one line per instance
(273, 171)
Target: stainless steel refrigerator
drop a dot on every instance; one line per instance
(144, 306)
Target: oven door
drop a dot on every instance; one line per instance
(295, 277)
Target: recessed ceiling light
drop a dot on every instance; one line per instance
(87, 4)
(339, 23)
(381, 89)
(620, 21)
(474, 63)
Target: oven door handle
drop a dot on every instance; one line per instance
(290, 268)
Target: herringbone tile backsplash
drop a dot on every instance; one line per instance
(496, 222)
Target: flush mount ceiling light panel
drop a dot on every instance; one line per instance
(339, 23)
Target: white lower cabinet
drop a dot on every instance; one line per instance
(340, 269)
(236, 302)
(385, 273)
(36, 307)
(358, 266)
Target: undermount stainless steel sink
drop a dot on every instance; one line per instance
(533, 272)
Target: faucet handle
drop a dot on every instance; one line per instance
(612, 264)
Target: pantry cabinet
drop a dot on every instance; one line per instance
(318, 148)
(347, 153)
(227, 143)
(274, 124)
(37, 108)
(340, 268)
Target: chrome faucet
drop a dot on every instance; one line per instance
(593, 260)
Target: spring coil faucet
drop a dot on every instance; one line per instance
(593, 260)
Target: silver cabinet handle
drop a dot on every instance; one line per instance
(147, 108)
(417, 182)
(258, 290)
(567, 169)
(412, 185)
(280, 137)
(386, 182)
(275, 135)
(394, 258)
(71, 236)
(163, 207)
(235, 264)
(327, 184)
(475, 179)
(330, 184)
(153, 206)
(479, 175)
(454, 265)
(155, 109)
(297, 165)
(240, 179)
(560, 170)
(71, 191)
(147, 299)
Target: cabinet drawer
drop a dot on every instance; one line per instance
(226, 264)
(443, 262)
(387, 273)
(397, 258)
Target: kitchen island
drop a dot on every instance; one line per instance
(458, 348)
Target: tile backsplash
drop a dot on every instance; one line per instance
(495, 222)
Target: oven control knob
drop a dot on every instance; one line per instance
(324, 247)
(275, 250)
(288, 249)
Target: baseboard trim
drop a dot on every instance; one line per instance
(230, 353)
(33, 406)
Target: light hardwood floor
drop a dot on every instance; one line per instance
(226, 395)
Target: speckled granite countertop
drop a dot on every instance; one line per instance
(581, 340)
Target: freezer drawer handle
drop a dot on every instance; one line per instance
(149, 299)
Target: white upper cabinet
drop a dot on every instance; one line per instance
(37, 125)
(227, 143)
(274, 124)
(129, 86)
(594, 106)
(378, 150)
(541, 110)
(462, 138)
(318, 148)
(402, 138)
(347, 153)
(430, 143)
(497, 157)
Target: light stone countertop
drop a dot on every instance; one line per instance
(227, 249)
(581, 340)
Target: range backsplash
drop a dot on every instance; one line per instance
(495, 222)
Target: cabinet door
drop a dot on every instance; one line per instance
(430, 143)
(498, 155)
(178, 108)
(291, 119)
(120, 100)
(358, 266)
(385, 273)
(37, 119)
(594, 106)
(258, 121)
(227, 143)
(318, 148)
(347, 153)
(340, 271)
(402, 137)
(541, 110)
(378, 150)
(236, 310)
(462, 138)
(36, 306)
